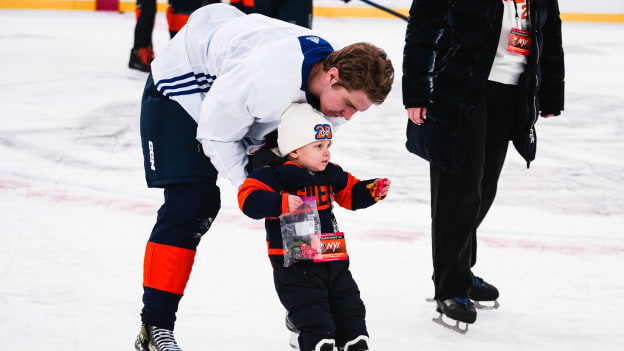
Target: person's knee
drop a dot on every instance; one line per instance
(187, 214)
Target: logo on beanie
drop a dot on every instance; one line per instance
(323, 131)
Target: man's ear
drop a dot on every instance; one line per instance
(332, 75)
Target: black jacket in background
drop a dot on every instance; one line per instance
(449, 50)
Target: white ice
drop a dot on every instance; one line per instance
(75, 213)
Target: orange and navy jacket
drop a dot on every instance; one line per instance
(264, 194)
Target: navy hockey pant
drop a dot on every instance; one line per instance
(459, 204)
(322, 300)
(173, 160)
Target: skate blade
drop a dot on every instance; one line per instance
(477, 304)
(456, 327)
(480, 306)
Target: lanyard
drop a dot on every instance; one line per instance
(516, 8)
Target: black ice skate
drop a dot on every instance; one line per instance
(294, 334)
(483, 291)
(459, 310)
(141, 59)
(152, 338)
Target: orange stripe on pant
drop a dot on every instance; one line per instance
(167, 268)
(176, 20)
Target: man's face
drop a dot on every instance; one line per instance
(314, 156)
(337, 101)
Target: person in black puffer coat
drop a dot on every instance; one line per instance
(476, 74)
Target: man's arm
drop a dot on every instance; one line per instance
(244, 100)
(425, 26)
(551, 90)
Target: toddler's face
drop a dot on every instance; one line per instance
(314, 156)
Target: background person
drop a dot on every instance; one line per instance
(472, 81)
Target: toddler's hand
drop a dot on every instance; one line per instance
(379, 188)
(386, 187)
(294, 202)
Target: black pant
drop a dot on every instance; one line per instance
(322, 300)
(298, 12)
(145, 23)
(459, 204)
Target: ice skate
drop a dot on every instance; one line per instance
(141, 59)
(482, 291)
(294, 334)
(152, 338)
(459, 310)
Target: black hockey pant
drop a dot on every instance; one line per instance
(173, 160)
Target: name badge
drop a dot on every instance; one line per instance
(333, 248)
(519, 42)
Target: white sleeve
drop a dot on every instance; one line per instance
(247, 98)
(224, 120)
(234, 108)
(229, 158)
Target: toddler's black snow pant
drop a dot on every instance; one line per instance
(322, 300)
(173, 160)
(459, 204)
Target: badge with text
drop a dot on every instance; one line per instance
(519, 42)
(333, 247)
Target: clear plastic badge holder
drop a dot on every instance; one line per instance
(301, 233)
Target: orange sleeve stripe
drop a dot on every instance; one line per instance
(285, 202)
(343, 197)
(167, 268)
(250, 185)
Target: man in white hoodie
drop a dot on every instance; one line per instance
(219, 85)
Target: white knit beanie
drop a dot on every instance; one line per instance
(301, 125)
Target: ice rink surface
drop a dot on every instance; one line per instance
(75, 212)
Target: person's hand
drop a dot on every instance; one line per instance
(386, 187)
(294, 202)
(548, 115)
(379, 188)
(417, 115)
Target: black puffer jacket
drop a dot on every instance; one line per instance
(449, 51)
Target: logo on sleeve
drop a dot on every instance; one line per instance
(315, 40)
